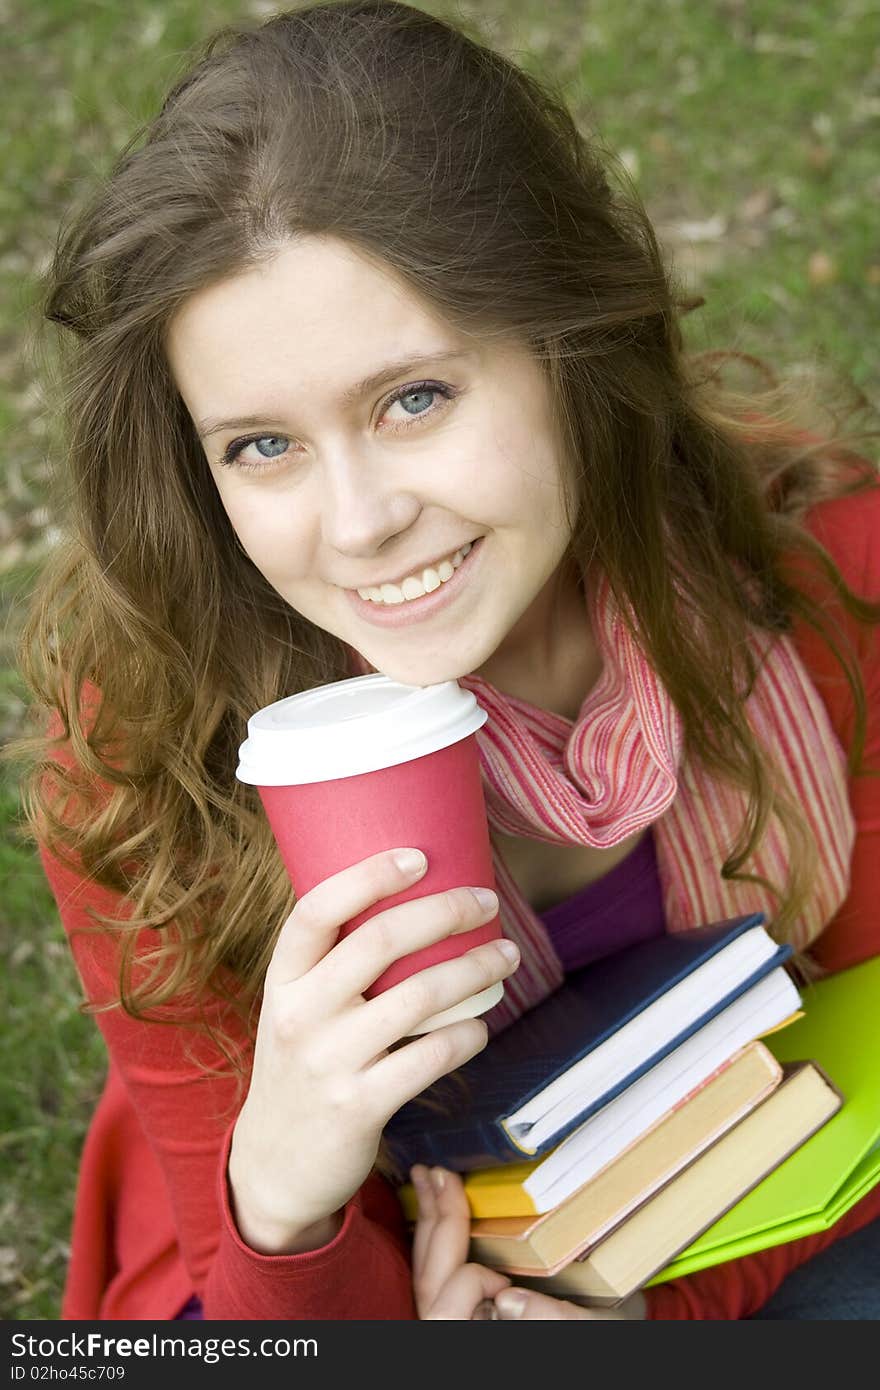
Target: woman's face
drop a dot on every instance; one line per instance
(340, 484)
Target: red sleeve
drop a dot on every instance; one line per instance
(849, 528)
(363, 1273)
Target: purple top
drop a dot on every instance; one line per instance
(622, 907)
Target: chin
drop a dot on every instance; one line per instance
(414, 662)
(421, 670)
(420, 675)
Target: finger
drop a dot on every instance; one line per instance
(528, 1305)
(462, 1294)
(314, 924)
(426, 1215)
(442, 1235)
(362, 956)
(485, 1310)
(393, 1080)
(400, 1011)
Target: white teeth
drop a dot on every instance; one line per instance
(390, 593)
(414, 586)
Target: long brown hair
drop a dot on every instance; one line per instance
(406, 137)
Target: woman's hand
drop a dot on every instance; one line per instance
(325, 1081)
(447, 1287)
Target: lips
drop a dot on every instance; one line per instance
(451, 557)
(417, 585)
(419, 609)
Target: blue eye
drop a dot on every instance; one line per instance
(412, 392)
(426, 391)
(280, 442)
(272, 439)
(231, 456)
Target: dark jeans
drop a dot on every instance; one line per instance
(843, 1282)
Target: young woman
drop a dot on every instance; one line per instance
(371, 367)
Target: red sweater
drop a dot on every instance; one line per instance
(152, 1221)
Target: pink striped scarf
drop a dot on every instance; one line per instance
(620, 767)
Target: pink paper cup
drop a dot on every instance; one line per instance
(349, 769)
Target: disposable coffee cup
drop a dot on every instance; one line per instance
(349, 769)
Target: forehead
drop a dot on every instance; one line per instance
(313, 297)
(303, 331)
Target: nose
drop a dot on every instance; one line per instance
(361, 506)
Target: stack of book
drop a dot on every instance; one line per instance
(671, 1106)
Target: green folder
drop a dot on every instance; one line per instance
(828, 1174)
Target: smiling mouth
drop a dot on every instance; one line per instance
(402, 612)
(416, 585)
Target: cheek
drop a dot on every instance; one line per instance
(520, 467)
(524, 491)
(270, 532)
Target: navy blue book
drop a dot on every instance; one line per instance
(603, 1029)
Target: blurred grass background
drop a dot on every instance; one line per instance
(751, 130)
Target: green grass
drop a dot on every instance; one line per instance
(51, 1063)
(751, 131)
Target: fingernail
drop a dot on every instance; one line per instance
(438, 1178)
(417, 1176)
(410, 861)
(510, 1303)
(509, 950)
(486, 898)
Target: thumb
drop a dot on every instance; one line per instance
(527, 1304)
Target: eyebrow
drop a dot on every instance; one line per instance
(378, 378)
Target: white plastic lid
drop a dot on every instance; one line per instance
(353, 726)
